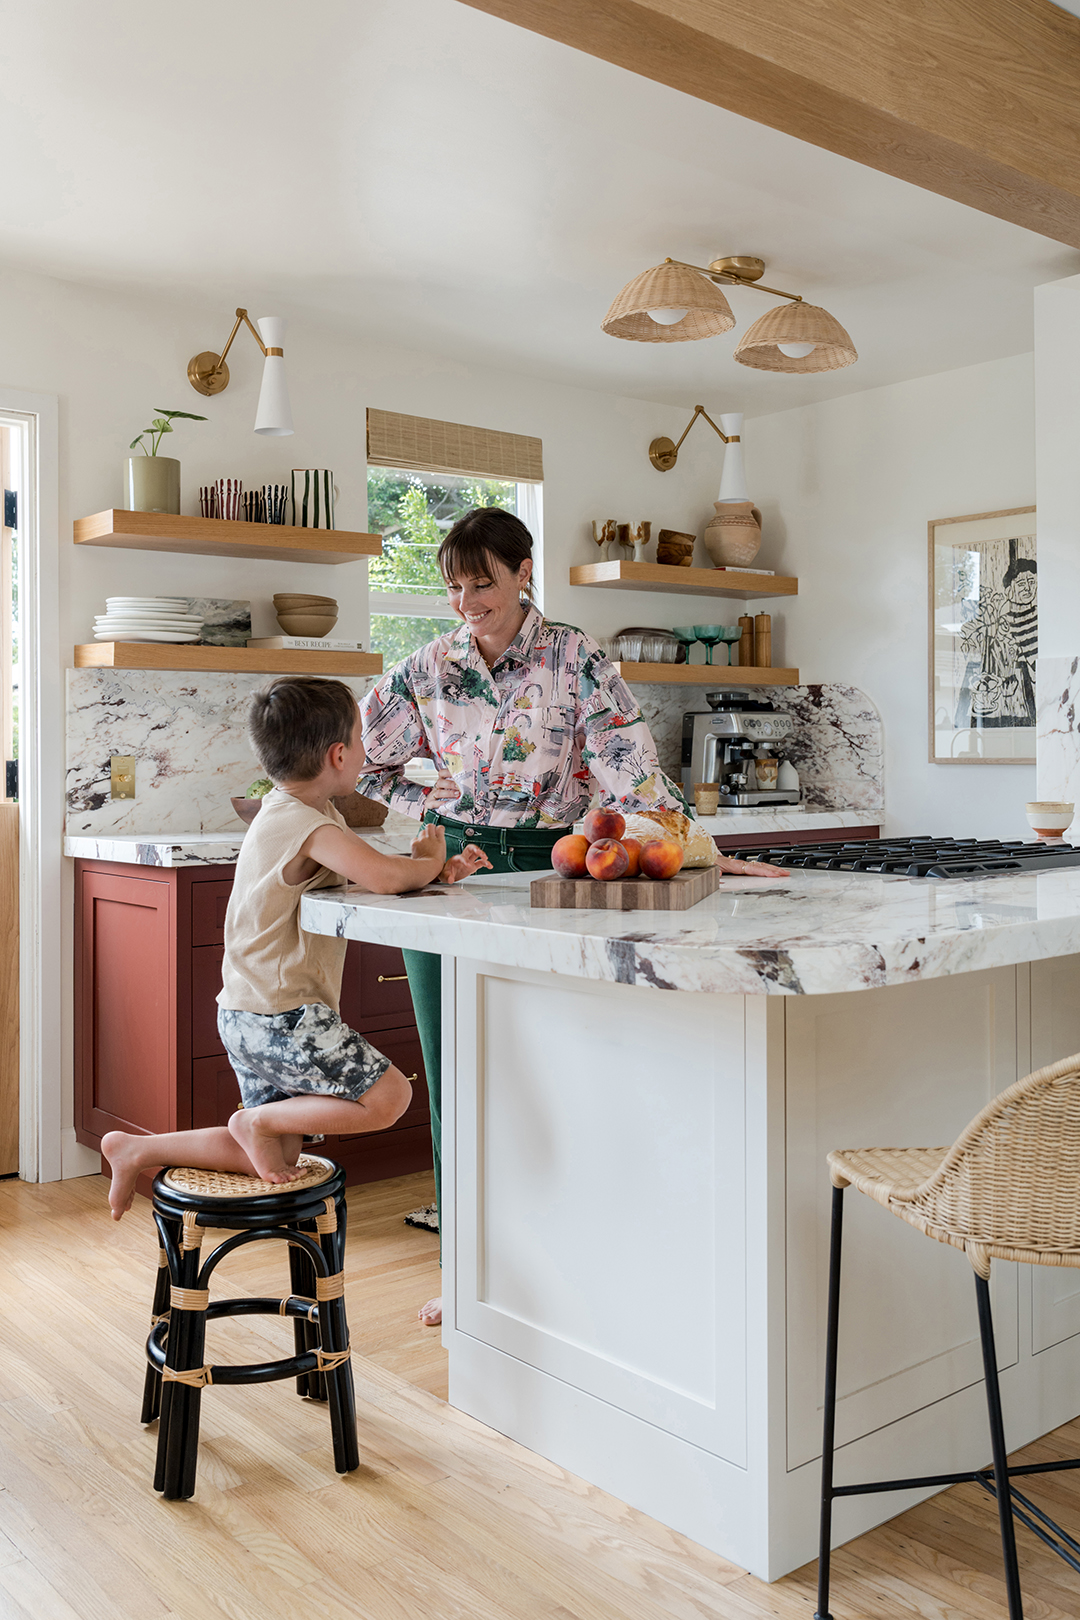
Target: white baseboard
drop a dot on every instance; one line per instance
(75, 1159)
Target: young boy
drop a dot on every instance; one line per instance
(302, 1072)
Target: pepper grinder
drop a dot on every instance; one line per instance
(746, 640)
(762, 641)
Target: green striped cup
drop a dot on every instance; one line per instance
(313, 497)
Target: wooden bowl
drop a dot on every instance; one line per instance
(357, 810)
(289, 599)
(674, 548)
(295, 623)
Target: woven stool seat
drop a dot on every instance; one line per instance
(229, 1184)
(1007, 1189)
(309, 1216)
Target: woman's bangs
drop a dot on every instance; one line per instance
(465, 556)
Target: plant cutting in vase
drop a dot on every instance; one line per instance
(153, 481)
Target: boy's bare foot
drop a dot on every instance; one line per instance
(431, 1314)
(122, 1152)
(262, 1147)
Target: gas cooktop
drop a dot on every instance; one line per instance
(920, 857)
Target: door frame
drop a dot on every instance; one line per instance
(41, 792)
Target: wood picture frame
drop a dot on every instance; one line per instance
(982, 638)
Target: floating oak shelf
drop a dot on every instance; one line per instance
(225, 660)
(642, 576)
(708, 674)
(218, 537)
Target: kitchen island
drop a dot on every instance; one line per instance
(637, 1109)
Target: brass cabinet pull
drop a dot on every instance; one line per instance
(411, 1077)
(392, 978)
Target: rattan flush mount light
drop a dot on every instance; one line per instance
(677, 303)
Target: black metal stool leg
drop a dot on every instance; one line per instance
(1000, 1455)
(305, 1334)
(151, 1404)
(828, 1443)
(178, 1441)
(334, 1332)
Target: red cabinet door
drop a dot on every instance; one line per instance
(127, 1059)
(374, 989)
(205, 984)
(208, 903)
(214, 1092)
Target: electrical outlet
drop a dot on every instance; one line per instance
(122, 776)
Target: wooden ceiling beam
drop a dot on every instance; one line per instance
(977, 100)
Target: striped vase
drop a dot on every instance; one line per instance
(313, 497)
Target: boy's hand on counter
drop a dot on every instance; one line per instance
(430, 845)
(464, 865)
(749, 868)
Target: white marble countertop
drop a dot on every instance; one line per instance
(809, 934)
(223, 848)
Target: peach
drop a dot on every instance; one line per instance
(568, 855)
(603, 824)
(660, 858)
(632, 847)
(607, 859)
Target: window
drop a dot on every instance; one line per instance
(412, 506)
(12, 475)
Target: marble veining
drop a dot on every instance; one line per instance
(836, 748)
(210, 849)
(808, 934)
(1057, 735)
(186, 732)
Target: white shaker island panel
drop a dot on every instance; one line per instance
(637, 1108)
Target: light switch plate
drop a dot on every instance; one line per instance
(122, 776)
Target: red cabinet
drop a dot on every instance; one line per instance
(148, 948)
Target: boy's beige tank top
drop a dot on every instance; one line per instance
(271, 965)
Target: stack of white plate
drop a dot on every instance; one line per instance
(147, 618)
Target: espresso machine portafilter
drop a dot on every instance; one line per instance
(719, 745)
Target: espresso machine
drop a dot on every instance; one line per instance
(720, 745)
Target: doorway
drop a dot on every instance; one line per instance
(13, 480)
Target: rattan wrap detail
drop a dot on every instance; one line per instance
(194, 1377)
(1007, 1189)
(669, 286)
(332, 1287)
(327, 1221)
(423, 443)
(330, 1360)
(189, 1299)
(796, 323)
(298, 1299)
(191, 1237)
(228, 1184)
(162, 1258)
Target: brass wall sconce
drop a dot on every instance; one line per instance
(663, 453)
(677, 303)
(208, 374)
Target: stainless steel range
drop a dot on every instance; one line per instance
(921, 857)
(724, 744)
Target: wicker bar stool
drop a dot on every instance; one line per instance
(308, 1214)
(1007, 1189)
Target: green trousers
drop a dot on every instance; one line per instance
(509, 849)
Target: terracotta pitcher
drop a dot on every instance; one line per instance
(734, 534)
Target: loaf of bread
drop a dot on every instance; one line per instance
(697, 847)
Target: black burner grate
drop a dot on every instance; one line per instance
(919, 857)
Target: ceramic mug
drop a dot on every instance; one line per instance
(313, 497)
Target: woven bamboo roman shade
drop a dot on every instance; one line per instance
(419, 442)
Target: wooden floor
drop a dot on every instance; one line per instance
(445, 1519)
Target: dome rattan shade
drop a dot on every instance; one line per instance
(669, 286)
(796, 323)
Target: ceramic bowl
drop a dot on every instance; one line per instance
(288, 599)
(306, 624)
(1049, 818)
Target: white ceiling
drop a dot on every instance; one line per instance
(435, 177)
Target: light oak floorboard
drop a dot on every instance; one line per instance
(444, 1518)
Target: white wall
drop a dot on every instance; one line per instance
(1057, 427)
(846, 490)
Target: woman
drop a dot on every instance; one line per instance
(523, 719)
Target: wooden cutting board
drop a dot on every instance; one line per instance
(685, 889)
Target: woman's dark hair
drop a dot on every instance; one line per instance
(293, 721)
(484, 535)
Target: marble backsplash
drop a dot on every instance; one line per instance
(187, 735)
(837, 747)
(1057, 735)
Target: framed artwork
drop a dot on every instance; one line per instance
(984, 636)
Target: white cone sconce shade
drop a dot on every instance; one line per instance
(669, 304)
(733, 478)
(273, 419)
(796, 338)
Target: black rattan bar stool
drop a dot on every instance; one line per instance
(1007, 1189)
(310, 1215)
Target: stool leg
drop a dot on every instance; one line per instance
(305, 1334)
(178, 1442)
(828, 1443)
(151, 1404)
(334, 1332)
(1000, 1455)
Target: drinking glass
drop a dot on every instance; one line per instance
(709, 635)
(687, 635)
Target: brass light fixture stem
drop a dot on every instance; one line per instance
(735, 281)
(663, 453)
(242, 315)
(208, 373)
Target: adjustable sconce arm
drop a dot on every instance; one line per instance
(663, 453)
(208, 373)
